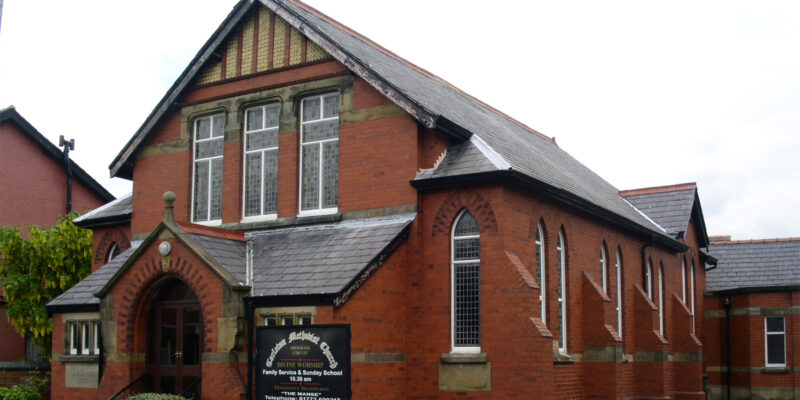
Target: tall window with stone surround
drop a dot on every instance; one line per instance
(261, 161)
(561, 252)
(466, 284)
(541, 272)
(209, 146)
(319, 154)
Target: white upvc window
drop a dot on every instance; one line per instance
(74, 338)
(618, 267)
(86, 336)
(648, 280)
(465, 256)
(96, 338)
(562, 294)
(775, 341)
(319, 154)
(604, 268)
(661, 300)
(209, 147)
(260, 197)
(541, 272)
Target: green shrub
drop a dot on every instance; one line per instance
(152, 396)
(20, 392)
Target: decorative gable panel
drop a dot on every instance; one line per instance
(262, 43)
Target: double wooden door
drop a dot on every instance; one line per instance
(177, 340)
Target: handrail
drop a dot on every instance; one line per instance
(128, 386)
(191, 392)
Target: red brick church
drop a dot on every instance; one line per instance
(300, 179)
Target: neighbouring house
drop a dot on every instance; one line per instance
(314, 217)
(752, 319)
(33, 191)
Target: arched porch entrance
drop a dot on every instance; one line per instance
(175, 338)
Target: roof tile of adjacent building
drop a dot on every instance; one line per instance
(670, 206)
(766, 264)
(487, 141)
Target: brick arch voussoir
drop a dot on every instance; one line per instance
(478, 205)
(137, 298)
(115, 236)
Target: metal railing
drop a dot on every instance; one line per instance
(192, 392)
(138, 385)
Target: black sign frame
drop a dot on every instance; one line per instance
(336, 336)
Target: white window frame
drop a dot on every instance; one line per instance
(661, 300)
(619, 295)
(766, 341)
(96, 337)
(604, 268)
(110, 256)
(319, 210)
(86, 338)
(540, 250)
(562, 299)
(260, 216)
(74, 337)
(453, 348)
(209, 160)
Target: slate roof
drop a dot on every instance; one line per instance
(671, 210)
(117, 210)
(230, 253)
(319, 259)
(486, 140)
(82, 294)
(756, 264)
(10, 114)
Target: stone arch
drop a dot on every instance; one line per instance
(451, 208)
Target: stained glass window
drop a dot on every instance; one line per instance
(466, 275)
(209, 146)
(261, 160)
(319, 155)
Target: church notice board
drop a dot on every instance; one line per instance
(303, 362)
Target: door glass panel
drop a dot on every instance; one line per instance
(168, 337)
(191, 336)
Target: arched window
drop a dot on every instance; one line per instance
(466, 285)
(618, 267)
(648, 280)
(661, 300)
(113, 251)
(562, 294)
(541, 272)
(683, 280)
(604, 268)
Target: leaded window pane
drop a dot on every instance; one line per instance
(539, 253)
(310, 188)
(466, 249)
(209, 148)
(201, 190)
(311, 109)
(270, 182)
(331, 106)
(255, 119)
(272, 115)
(330, 168)
(216, 189)
(321, 130)
(262, 140)
(466, 226)
(218, 126)
(468, 310)
(203, 128)
(252, 202)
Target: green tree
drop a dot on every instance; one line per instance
(35, 270)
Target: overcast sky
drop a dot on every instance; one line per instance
(644, 93)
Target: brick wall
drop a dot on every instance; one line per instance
(105, 238)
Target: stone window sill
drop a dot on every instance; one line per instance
(464, 358)
(775, 370)
(563, 358)
(80, 358)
